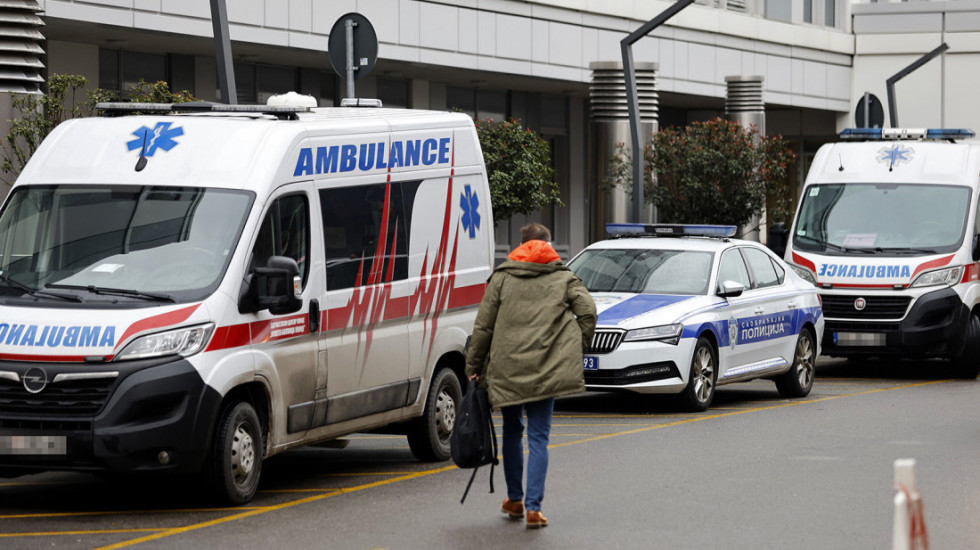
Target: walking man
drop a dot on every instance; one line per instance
(535, 322)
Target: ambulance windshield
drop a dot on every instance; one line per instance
(117, 243)
(882, 219)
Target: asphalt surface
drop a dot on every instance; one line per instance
(754, 472)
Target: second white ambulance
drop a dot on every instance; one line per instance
(888, 229)
(203, 287)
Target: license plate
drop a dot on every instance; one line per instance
(590, 362)
(33, 445)
(859, 338)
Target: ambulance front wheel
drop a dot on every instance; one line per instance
(967, 363)
(700, 390)
(428, 435)
(236, 459)
(798, 381)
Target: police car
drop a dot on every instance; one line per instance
(684, 309)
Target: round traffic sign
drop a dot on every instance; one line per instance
(365, 45)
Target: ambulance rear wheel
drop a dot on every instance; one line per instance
(967, 364)
(700, 390)
(798, 381)
(236, 459)
(428, 435)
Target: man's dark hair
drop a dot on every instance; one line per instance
(535, 232)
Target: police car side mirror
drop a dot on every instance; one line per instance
(277, 287)
(976, 247)
(731, 289)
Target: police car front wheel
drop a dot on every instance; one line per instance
(701, 382)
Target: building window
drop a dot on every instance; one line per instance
(393, 92)
(779, 10)
(479, 104)
(120, 71)
(272, 80)
(830, 12)
(808, 11)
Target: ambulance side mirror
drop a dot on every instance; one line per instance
(731, 289)
(277, 287)
(976, 247)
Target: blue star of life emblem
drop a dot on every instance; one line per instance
(895, 154)
(160, 136)
(470, 204)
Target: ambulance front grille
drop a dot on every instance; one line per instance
(605, 341)
(875, 307)
(65, 398)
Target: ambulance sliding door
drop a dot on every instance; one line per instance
(364, 337)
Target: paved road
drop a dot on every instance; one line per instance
(754, 472)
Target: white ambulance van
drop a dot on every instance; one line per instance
(200, 287)
(887, 229)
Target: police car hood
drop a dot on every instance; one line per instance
(629, 310)
(74, 335)
(871, 270)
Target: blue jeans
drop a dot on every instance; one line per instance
(538, 429)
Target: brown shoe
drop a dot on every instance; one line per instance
(535, 520)
(513, 508)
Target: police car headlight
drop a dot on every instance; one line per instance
(670, 334)
(183, 342)
(941, 277)
(804, 274)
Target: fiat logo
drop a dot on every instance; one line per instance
(35, 380)
(860, 304)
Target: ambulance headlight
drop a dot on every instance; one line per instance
(670, 334)
(941, 277)
(804, 274)
(183, 342)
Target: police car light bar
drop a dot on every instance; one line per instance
(670, 230)
(884, 134)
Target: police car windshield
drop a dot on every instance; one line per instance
(643, 271)
(168, 241)
(884, 219)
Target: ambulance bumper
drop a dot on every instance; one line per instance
(933, 327)
(155, 416)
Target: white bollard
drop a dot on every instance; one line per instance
(909, 526)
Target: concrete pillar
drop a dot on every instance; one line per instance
(744, 104)
(609, 127)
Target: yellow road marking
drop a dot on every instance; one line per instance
(416, 475)
(127, 512)
(100, 532)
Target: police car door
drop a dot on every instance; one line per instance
(767, 333)
(287, 344)
(733, 353)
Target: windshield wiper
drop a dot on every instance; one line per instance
(117, 291)
(908, 250)
(36, 292)
(824, 243)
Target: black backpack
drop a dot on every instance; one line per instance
(473, 442)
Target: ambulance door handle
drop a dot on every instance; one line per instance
(314, 321)
(759, 310)
(791, 305)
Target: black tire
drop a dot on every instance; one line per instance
(428, 435)
(967, 364)
(703, 379)
(236, 458)
(798, 380)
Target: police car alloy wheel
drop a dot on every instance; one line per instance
(700, 391)
(798, 381)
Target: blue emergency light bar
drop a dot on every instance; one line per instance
(887, 134)
(670, 230)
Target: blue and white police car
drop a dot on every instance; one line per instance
(686, 308)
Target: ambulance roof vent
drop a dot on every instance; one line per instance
(359, 102)
(293, 99)
(892, 134)
(282, 112)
